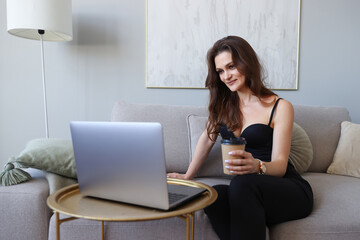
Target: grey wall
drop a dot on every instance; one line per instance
(106, 62)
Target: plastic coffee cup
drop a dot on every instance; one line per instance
(228, 145)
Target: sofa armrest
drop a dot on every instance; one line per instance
(24, 212)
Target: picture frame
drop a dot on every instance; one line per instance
(179, 34)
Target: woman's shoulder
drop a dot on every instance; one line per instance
(284, 111)
(272, 99)
(275, 102)
(284, 104)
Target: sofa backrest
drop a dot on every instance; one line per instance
(322, 124)
(173, 120)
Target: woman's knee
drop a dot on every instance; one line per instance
(221, 201)
(243, 182)
(243, 187)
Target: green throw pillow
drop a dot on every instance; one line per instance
(301, 151)
(51, 155)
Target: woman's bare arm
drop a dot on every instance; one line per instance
(202, 150)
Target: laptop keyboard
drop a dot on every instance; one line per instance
(173, 197)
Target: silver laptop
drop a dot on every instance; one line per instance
(125, 161)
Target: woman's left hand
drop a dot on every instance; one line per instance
(244, 163)
(176, 175)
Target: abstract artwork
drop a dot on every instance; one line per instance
(180, 32)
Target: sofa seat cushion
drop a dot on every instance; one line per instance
(212, 181)
(336, 213)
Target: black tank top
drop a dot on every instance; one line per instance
(258, 136)
(259, 140)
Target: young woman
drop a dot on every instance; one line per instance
(265, 189)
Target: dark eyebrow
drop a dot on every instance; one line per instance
(230, 63)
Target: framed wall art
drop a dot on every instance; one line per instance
(180, 32)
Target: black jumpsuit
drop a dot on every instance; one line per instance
(251, 202)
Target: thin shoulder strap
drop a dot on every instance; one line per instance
(273, 110)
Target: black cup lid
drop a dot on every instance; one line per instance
(234, 141)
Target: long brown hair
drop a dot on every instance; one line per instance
(224, 104)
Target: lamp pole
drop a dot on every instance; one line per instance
(41, 33)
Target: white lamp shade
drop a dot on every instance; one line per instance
(26, 17)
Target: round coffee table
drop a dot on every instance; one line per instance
(71, 202)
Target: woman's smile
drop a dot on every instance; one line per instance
(231, 82)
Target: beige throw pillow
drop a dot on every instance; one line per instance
(301, 152)
(346, 158)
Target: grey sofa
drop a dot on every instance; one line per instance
(25, 215)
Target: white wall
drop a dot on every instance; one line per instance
(106, 62)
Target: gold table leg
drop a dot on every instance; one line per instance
(57, 226)
(59, 222)
(187, 227)
(193, 225)
(189, 217)
(102, 230)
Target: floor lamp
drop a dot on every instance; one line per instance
(44, 20)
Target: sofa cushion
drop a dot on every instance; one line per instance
(213, 164)
(173, 120)
(301, 152)
(322, 124)
(335, 215)
(51, 155)
(346, 158)
(57, 182)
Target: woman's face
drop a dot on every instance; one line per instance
(228, 73)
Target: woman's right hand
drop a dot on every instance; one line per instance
(176, 175)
